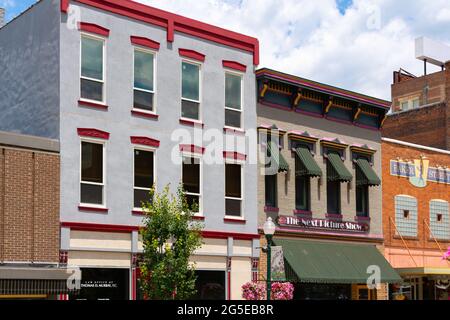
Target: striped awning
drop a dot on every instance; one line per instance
(307, 164)
(277, 157)
(365, 174)
(336, 170)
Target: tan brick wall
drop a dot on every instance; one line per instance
(393, 185)
(29, 206)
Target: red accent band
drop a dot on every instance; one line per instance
(138, 213)
(235, 131)
(234, 155)
(93, 209)
(93, 133)
(271, 209)
(234, 220)
(93, 105)
(144, 42)
(192, 54)
(226, 235)
(192, 123)
(201, 218)
(144, 114)
(145, 141)
(234, 65)
(93, 28)
(99, 227)
(64, 6)
(229, 284)
(133, 284)
(192, 148)
(173, 22)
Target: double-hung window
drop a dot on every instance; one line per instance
(190, 90)
(192, 182)
(144, 83)
(143, 176)
(233, 100)
(92, 174)
(92, 68)
(271, 190)
(233, 190)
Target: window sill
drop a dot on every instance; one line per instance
(200, 218)
(233, 130)
(271, 209)
(143, 114)
(88, 208)
(406, 238)
(333, 216)
(362, 219)
(304, 213)
(91, 104)
(192, 123)
(234, 220)
(136, 212)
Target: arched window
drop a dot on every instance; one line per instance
(439, 219)
(406, 215)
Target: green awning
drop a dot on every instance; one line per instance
(336, 169)
(366, 175)
(277, 157)
(308, 166)
(331, 262)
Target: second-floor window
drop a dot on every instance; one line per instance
(233, 100)
(92, 174)
(143, 176)
(92, 68)
(271, 190)
(190, 91)
(233, 189)
(191, 182)
(143, 91)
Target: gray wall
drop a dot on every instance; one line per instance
(29, 72)
(121, 125)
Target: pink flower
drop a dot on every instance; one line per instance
(446, 255)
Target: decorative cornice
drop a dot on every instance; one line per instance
(93, 28)
(99, 227)
(234, 65)
(93, 133)
(234, 155)
(144, 42)
(191, 148)
(302, 136)
(145, 141)
(333, 143)
(365, 149)
(191, 54)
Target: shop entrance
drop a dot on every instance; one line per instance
(364, 293)
(210, 285)
(313, 291)
(103, 284)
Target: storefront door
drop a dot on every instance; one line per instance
(364, 293)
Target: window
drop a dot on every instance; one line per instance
(92, 174)
(271, 190)
(92, 68)
(439, 219)
(210, 285)
(233, 190)
(143, 176)
(302, 192)
(233, 100)
(190, 95)
(143, 80)
(362, 195)
(191, 182)
(405, 105)
(415, 103)
(333, 192)
(406, 215)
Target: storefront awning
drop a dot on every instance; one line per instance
(329, 262)
(337, 170)
(368, 175)
(308, 166)
(423, 271)
(279, 160)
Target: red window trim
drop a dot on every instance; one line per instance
(93, 209)
(231, 220)
(144, 114)
(79, 226)
(234, 131)
(93, 28)
(226, 235)
(144, 42)
(192, 123)
(200, 218)
(192, 148)
(234, 65)
(93, 133)
(92, 105)
(138, 213)
(146, 141)
(234, 155)
(191, 54)
(173, 22)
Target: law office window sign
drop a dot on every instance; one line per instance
(419, 172)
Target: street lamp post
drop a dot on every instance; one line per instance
(269, 230)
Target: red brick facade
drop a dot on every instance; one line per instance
(29, 206)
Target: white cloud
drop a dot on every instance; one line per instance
(357, 51)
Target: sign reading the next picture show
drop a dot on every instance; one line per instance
(419, 172)
(321, 224)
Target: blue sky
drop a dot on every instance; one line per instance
(352, 44)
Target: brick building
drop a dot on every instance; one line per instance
(416, 222)
(29, 218)
(422, 103)
(320, 184)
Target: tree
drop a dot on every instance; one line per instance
(170, 236)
